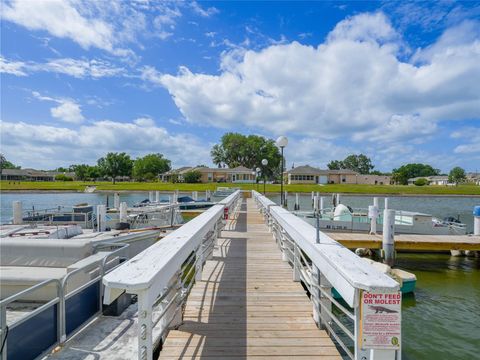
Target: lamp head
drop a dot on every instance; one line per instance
(282, 141)
(264, 162)
(257, 169)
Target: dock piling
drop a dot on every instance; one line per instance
(297, 202)
(123, 212)
(17, 212)
(195, 195)
(476, 220)
(386, 202)
(101, 216)
(373, 215)
(388, 242)
(150, 196)
(116, 200)
(157, 196)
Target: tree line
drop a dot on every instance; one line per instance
(235, 150)
(112, 165)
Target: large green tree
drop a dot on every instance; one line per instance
(5, 164)
(115, 164)
(150, 166)
(457, 175)
(405, 172)
(86, 172)
(359, 163)
(240, 150)
(192, 176)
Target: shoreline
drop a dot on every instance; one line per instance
(32, 191)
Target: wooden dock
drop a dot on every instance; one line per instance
(410, 242)
(247, 305)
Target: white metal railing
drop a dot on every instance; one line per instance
(163, 275)
(326, 267)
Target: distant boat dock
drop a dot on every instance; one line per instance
(413, 242)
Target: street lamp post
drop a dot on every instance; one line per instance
(282, 142)
(256, 177)
(264, 163)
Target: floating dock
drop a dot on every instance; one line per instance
(412, 242)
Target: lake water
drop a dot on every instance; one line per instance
(441, 321)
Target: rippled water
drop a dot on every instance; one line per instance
(440, 322)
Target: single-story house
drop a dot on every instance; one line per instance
(432, 180)
(237, 175)
(473, 178)
(31, 175)
(307, 174)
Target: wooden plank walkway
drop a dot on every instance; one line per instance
(354, 240)
(247, 305)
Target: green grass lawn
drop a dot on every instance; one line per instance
(333, 188)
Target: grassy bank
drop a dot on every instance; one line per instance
(333, 188)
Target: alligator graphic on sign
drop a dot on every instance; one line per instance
(381, 309)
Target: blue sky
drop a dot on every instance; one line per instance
(398, 81)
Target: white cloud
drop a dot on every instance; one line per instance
(150, 74)
(67, 110)
(203, 12)
(54, 145)
(144, 122)
(12, 67)
(353, 85)
(79, 68)
(471, 137)
(63, 19)
(364, 27)
(166, 21)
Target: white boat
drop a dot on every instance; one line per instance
(223, 191)
(148, 215)
(81, 214)
(30, 255)
(344, 218)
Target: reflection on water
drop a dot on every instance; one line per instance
(442, 320)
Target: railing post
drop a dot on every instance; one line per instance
(296, 263)
(315, 282)
(62, 313)
(283, 247)
(325, 301)
(199, 262)
(145, 342)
